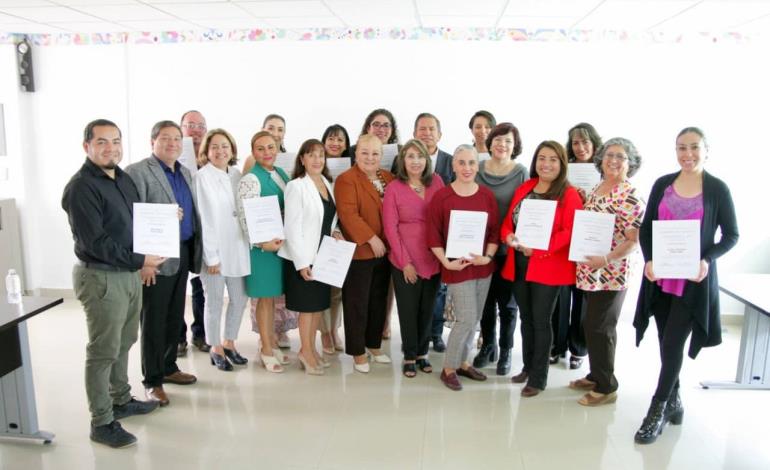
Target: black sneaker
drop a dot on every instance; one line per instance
(133, 407)
(112, 435)
(438, 344)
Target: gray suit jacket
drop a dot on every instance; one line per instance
(444, 167)
(154, 187)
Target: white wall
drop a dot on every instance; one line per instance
(645, 92)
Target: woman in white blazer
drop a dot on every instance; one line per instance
(309, 215)
(225, 247)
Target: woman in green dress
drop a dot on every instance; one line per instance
(265, 282)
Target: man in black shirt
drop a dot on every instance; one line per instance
(99, 204)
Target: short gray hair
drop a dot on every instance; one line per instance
(467, 147)
(634, 159)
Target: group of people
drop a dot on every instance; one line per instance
(399, 221)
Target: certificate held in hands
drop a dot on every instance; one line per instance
(156, 229)
(332, 261)
(263, 219)
(466, 234)
(583, 175)
(676, 249)
(591, 235)
(535, 224)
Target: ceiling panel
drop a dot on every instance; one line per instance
(31, 28)
(158, 26)
(93, 27)
(71, 3)
(203, 11)
(449, 8)
(548, 8)
(286, 9)
(375, 13)
(533, 23)
(25, 3)
(124, 12)
(47, 14)
(230, 24)
(716, 16)
(458, 21)
(302, 23)
(632, 15)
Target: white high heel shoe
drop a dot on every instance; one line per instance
(380, 358)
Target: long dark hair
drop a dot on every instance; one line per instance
(304, 149)
(560, 184)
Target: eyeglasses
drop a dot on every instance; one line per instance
(381, 125)
(193, 126)
(618, 157)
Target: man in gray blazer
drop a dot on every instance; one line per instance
(161, 179)
(427, 129)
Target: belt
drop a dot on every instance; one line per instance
(104, 267)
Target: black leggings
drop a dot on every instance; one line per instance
(674, 327)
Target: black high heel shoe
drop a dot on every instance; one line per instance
(487, 354)
(504, 363)
(234, 357)
(220, 361)
(653, 423)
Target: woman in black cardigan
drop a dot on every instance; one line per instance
(681, 307)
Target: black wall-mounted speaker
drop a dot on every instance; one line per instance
(24, 65)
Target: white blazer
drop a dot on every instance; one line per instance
(224, 242)
(303, 217)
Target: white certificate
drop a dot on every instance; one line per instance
(675, 248)
(263, 219)
(583, 175)
(389, 152)
(188, 157)
(337, 165)
(286, 162)
(332, 261)
(591, 235)
(484, 156)
(156, 229)
(535, 224)
(466, 234)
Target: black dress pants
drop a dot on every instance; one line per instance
(161, 320)
(674, 327)
(197, 328)
(602, 310)
(499, 299)
(415, 312)
(364, 295)
(567, 323)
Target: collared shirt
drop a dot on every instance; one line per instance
(100, 212)
(183, 197)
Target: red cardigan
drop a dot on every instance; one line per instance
(546, 267)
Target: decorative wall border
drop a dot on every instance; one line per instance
(371, 34)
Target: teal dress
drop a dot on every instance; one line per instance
(266, 278)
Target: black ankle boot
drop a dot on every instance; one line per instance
(653, 423)
(674, 408)
(487, 354)
(504, 363)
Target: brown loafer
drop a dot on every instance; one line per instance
(598, 399)
(520, 378)
(157, 394)
(471, 373)
(582, 384)
(529, 391)
(180, 378)
(451, 381)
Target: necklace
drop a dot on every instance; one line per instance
(418, 188)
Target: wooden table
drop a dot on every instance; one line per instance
(753, 290)
(18, 411)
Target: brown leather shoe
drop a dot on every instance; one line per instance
(520, 378)
(157, 394)
(598, 399)
(451, 381)
(180, 378)
(529, 391)
(582, 384)
(471, 373)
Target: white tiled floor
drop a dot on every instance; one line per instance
(344, 420)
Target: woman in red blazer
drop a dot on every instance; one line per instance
(537, 274)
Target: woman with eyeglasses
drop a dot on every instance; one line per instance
(603, 280)
(683, 307)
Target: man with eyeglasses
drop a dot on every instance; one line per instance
(427, 129)
(161, 179)
(193, 125)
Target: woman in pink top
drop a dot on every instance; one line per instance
(416, 270)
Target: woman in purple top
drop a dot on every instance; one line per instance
(683, 306)
(416, 270)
